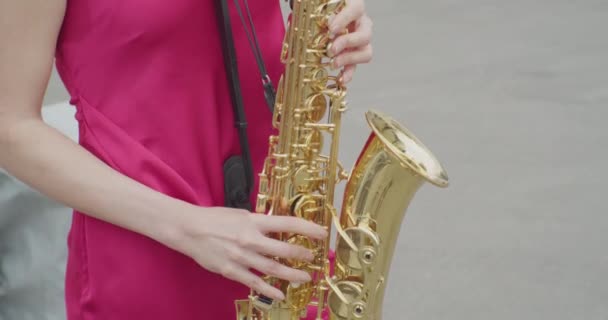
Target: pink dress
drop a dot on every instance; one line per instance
(147, 79)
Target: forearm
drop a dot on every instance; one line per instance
(54, 165)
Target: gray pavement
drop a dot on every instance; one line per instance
(511, 96)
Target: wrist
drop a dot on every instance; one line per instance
(174, 229)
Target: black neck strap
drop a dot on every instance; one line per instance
(269, 92)
(235, 89)
(230, 62)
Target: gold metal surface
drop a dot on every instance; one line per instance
(299, 180)
(390, 170)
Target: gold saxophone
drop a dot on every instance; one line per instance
(298, 180)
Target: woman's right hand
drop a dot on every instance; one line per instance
(231, 241)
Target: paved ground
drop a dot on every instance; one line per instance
(511, 96)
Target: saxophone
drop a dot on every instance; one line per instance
(302, 170)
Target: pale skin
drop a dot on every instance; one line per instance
(222, 240)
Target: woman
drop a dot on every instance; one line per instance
(149, 238)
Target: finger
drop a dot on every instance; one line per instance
(282, 249)
(241, 274)
(275, 269)
(353, 10)
(359, 38)
(289, 224)
(361, 55)
(347, 74)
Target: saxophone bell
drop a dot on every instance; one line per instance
(391, 168)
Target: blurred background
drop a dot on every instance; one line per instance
(511, 96)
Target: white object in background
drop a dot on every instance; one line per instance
(33, 238)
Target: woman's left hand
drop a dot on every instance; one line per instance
(354, 47)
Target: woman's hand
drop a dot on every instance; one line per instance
(231, 241)
(354, 47)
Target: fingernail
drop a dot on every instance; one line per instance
(336, 48)
(330, 50)
(323, 232)
(280, 296)
(332, 32)
(346, 79)
(310, 256)
(305, 278)
(334, 64)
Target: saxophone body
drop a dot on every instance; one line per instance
(301, 173)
